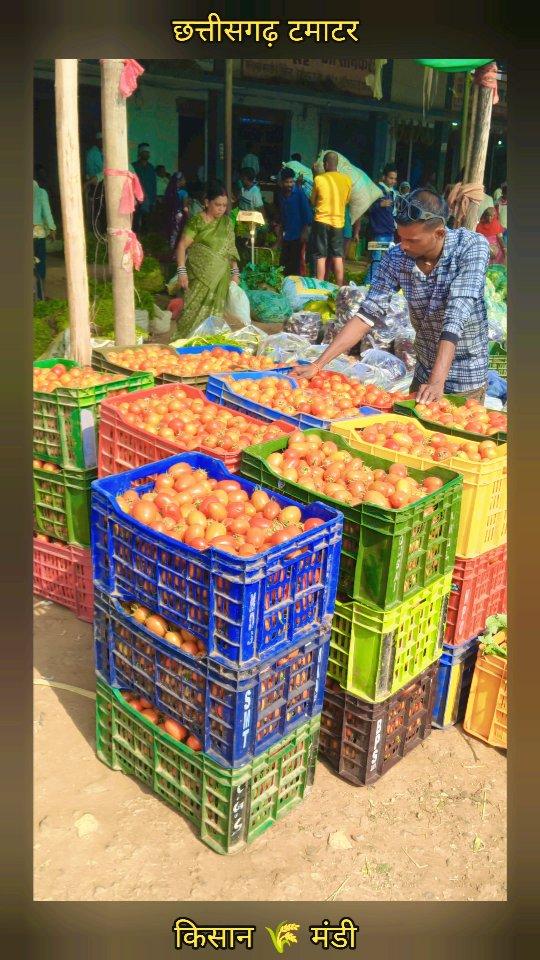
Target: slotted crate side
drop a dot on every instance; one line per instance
(454, 677)
(361, 741)
(374, 652)
(407, 408)
(123, 446)
(63, 573)
(486, 715)
(235, 714)
(229, 808)
(387, 555)
(479, 589)
(250, 608)
(498, 359)
(65, 422)
(62, 504)
(483, 516)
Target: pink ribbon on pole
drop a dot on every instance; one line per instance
(132, 246)
(128, 79)
(131, 190)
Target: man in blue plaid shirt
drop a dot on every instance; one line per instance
(442, 274)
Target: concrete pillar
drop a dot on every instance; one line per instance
(380, 146)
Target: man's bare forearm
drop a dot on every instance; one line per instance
(353, 331)
(443, 361)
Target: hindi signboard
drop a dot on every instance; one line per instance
(351, 76)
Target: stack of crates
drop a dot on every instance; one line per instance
(219, 715)
(65, 424)
(388, 627)
(478, 581)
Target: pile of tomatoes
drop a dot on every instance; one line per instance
(195, 423)
(176, 636)
(176, 730)
(45, 465)
(407, 437)
(471, 416)
(47, 379)
(158, 359)
(320, 465)
(202, 512)
(329, 396)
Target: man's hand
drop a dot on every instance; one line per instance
(305, 372)
(52, 234)
(430, 392)
(386, 203)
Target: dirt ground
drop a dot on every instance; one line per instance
(433, 828)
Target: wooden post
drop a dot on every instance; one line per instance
(228, 124)
(69, 175)
(480, 140)
(115, 157)
(465, 120)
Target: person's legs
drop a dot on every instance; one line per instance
(336, 251)
(320, 248)
(40, 251)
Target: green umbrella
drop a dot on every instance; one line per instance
(454, 66)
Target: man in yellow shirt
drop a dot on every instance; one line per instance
(331, 194)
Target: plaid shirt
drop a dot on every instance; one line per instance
(448, 304)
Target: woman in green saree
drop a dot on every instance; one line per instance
(211, 261)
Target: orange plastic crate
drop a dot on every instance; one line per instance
(486, 716)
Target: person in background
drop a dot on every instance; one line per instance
(177, 202)
(381, 217)
(490, 228)
(498, 192)
(162, 180)
(250, 196)
(147, 176)
(93, 185)
(44, 226)
(295, 217)
(442, 274)
(195, 193)
(329, 198)
(251, 160)
(404, 188)
(297, 157)
(207, 261)
(501, 206)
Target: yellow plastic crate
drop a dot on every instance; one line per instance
(482, 524)
(486, 716)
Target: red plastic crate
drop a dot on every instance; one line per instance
(63, 573)
(479, 589)
(123, 446)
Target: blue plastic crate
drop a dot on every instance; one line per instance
(218, 391)
(205, 349)
(236, 714)
(246, 609)
(456, 668)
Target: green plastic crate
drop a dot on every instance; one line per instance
(387, 555)
(407, 408)
(498, 359)
(62, 504)
(373, 653)
(229, 808)
(65, 422)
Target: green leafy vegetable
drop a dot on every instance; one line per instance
(254, 276)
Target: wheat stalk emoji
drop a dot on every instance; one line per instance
(283, 935)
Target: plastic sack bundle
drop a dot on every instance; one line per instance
(364, 192)
(304, 324)
(237, 306)
(284, 348)
(300, 290)
(268, 307)
(497, 386)
(381, 359)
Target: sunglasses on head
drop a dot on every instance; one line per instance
(408, 211)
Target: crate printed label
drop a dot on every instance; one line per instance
(239, 811)
(318, 677)
(88, 432)
(376, 745)
(246, 717)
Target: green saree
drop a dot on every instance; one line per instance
(209, 271)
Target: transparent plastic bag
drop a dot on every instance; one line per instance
(212, 327)
(284, 348)
(304, 324)
(404, 347)
(237, 306)
(382, 360)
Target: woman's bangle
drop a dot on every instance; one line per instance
(235, 271)
(182, 271)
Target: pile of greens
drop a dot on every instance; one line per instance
(497, 274)
(261, 275)
(150, 277)
(494, 638)
(51, 317)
